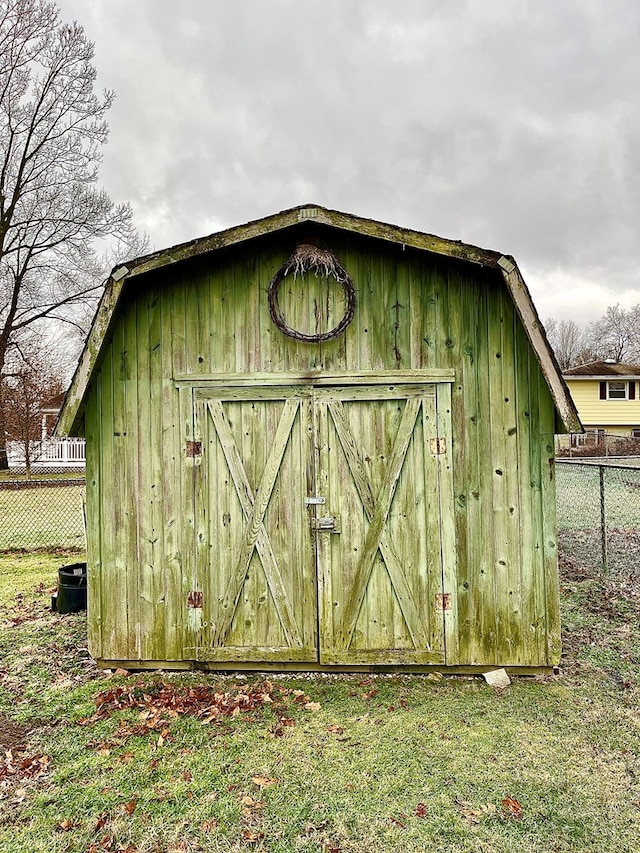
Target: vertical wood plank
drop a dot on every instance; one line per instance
(328, 575)
(128, 479)
(513, 595)
(121, 500)
(193, 616)
(145, 490)
(447, 523)
(533, 603)
(480, 574)
(168, 587)
(94, 510)
(433, 521)
(108, 578)
(547, 476)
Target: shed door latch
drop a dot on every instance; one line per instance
(194, 448)
(326, 523)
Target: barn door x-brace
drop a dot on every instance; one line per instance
(318, 524)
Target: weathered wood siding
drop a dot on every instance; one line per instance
(413, 311)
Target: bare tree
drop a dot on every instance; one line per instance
(568, 342)
(616, 334)
(52, 127)
(29, 383)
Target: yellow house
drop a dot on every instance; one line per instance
(607, 396)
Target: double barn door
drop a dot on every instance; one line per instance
(321, 516)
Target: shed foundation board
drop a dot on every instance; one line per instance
(228, 667)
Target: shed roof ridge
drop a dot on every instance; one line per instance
(325, 216)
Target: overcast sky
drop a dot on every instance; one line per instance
(508, 124)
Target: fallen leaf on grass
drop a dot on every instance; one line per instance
(209, 825)
(473, 813)
(251, 803)
(312, 706)
(17, 764)
(65, 824)
(100, 821)
(396, 822)
(126, 758)
(252, 837)
(421, 810)
(130, 807)
(187, 775)
(511, 808)
(161, 794)
(165, 735)
(335, 730)
(263, 781)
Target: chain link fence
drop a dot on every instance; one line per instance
(599, 515)
(42, 513)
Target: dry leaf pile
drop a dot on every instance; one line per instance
(160, 703)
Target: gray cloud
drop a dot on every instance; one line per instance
(506, 123)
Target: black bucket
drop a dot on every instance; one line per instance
(72, 589)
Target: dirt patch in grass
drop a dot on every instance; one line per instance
(12, 735)
(601, 627)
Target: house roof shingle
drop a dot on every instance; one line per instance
(602, 369)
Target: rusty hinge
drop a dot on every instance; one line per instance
(438, 445)
(194, 600)
(194, 448)
(443, 600)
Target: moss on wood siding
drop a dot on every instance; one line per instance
(414, 311)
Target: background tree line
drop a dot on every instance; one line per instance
(53, 213)
(616, 335)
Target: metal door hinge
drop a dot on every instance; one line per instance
(194, 600)
(194, 448)
(438, 445)
(311, 501)
(443, 601)
(328, 523)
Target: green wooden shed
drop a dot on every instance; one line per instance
(318, 441)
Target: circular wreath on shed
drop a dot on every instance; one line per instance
(310, 258)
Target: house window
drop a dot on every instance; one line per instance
(617, 390)
(635, 433)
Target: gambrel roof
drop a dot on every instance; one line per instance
(73, 408)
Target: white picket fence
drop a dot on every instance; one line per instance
(49, 453)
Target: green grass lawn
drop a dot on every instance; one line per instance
(345, 763)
